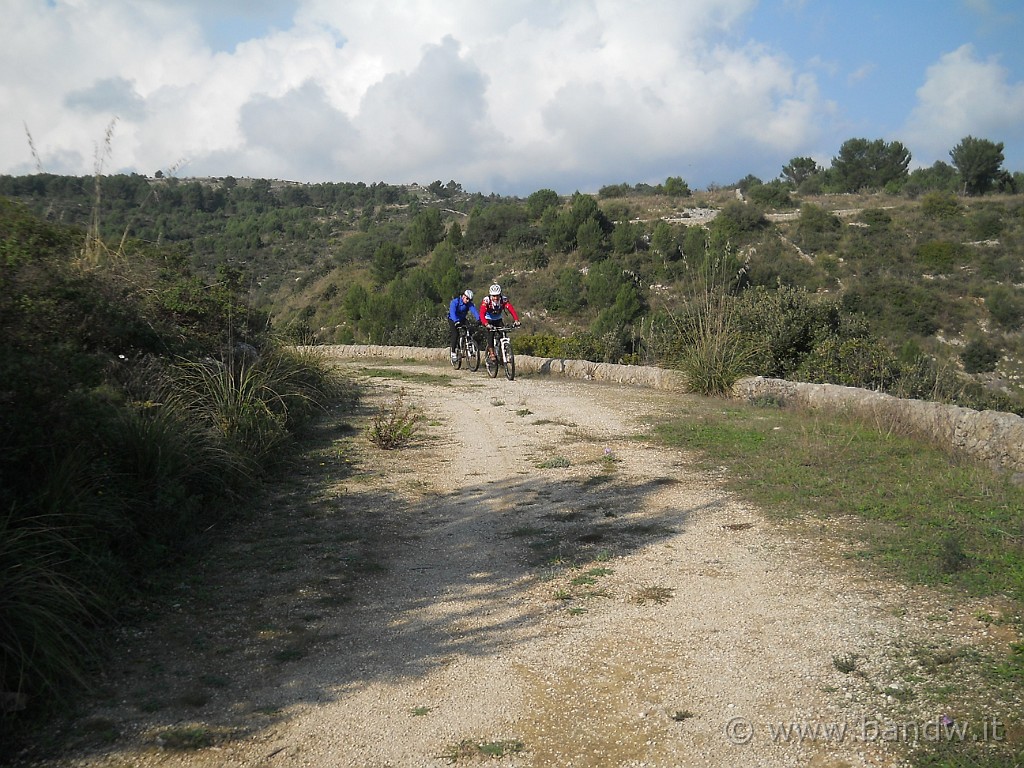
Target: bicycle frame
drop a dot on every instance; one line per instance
(503, 354)
(467, 350)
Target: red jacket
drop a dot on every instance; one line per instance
(491, 309)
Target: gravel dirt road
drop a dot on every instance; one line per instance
(533, 579)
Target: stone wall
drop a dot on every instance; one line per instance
(637, 375)
(992, 437)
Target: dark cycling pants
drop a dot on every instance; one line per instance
(493, 324)
(453, 334)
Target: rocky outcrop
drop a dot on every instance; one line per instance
(992, 437)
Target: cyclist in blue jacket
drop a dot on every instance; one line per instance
(461, 307)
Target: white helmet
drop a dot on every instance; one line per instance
(495, 290)
(468, 294)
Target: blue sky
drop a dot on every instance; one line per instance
(504, 96)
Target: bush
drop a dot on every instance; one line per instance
(939, 256)
(109, 466)
(791, 322)
(980, 356)
(940, 205)
(1006, 305)
(985, 224)
(737, 222)
(818, 229)
(714, 351)
(856, 362)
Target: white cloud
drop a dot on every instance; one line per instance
(963, 96)
(499, 96)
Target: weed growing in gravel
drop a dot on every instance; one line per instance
(556, 462)
(420, 711)
(845, 662)
(652, 594)
(395, 425)
(609, 459)
(554, 422)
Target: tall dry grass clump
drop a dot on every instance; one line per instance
(712, 350)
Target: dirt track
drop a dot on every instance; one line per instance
(532, 576)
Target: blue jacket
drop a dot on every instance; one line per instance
(457, 311)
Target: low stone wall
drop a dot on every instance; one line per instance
(993, 437)
(637, 375)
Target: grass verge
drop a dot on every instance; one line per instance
(904, 508)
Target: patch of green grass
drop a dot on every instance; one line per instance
(400, 375)
(186, 738)
(555, 422)
(471, 749)
(925, 516)
(905, 507)
(420, 711)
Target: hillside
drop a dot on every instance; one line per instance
(920, 296)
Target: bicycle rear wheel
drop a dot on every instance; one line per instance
(492, 364)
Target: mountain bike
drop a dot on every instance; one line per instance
(466, 349)
(503, 355)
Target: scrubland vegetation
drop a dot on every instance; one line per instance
(150, 379)
(140, 404)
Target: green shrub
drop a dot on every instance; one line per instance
(818, 229)
(790, 321)
(939, 256)
(1006, 305)
(940, 205)
(856, 362)
(109, 466)
(985, 224)
(980, 356)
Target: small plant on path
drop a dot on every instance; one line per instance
(395, 424)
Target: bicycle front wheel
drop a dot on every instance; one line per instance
(510, 363)
(472, 355)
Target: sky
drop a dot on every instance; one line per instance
(502, 96)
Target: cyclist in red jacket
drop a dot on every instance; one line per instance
(492, 314)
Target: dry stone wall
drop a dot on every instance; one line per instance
(993, 437)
